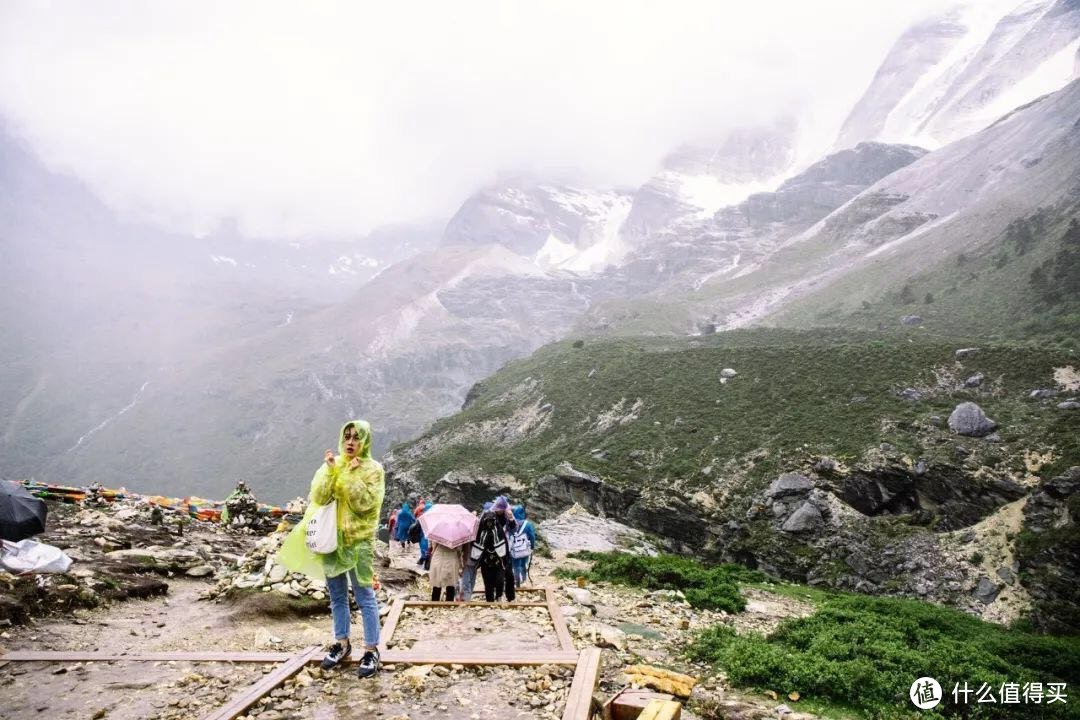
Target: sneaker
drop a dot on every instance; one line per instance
(369, 664)
(336, 655)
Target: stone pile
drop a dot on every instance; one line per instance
(118, 553)
(259, 570)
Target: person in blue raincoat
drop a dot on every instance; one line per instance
(405, 520)
(521, 564)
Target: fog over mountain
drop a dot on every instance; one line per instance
(247, 235)
(345, 117)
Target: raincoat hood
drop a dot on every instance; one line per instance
(363, 429)
(519, 513)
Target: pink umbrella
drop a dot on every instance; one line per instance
(449, 525)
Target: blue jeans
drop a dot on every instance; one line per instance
(423, 547)
(521, 569)
(468, 581)
(338, 587)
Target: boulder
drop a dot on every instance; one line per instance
(970, 420)
(806, 519)
(987, 590)
(911, 320)
(1069, 405)
(964, 353)
(789, 484)
(975, 380)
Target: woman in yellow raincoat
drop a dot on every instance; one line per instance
(356, 482)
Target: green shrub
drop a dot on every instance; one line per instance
(710, 587)
(865, 652)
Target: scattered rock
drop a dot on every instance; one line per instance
(728, 373)
(975, 380)
(911, 394)
(911, 320)
(963, 353)
(1043, 394)
(1069, 405)
(986, 591)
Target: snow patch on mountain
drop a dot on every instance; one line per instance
(929, 92)
(709, 194)
(955, 74)
(353, 265)
(223, 260)
(555, 252)
(599, 244)
(1050, 76)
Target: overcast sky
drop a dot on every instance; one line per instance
(314, 118)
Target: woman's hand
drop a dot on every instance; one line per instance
(354, 463)
(329, 457)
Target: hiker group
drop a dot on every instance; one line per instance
(335, 541)
(497, 543)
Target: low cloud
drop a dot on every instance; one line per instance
(306, 119)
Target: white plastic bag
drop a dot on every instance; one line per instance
(30, 556)
(321, 535)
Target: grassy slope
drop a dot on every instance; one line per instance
(798, 393)
(984, 293)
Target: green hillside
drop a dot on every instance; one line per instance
(797, 395)
(1022, 286)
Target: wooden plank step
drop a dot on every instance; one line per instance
(391, 623)
(466, 657)
(579, 701)
(83, 656)
(237, 706)
(557, 619)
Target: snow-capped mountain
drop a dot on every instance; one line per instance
(958, 72)
(698, 179)
(557, 226)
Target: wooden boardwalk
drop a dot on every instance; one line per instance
(586, 663)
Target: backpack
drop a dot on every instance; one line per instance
(415, 532)
(519, 544)
(489, 548)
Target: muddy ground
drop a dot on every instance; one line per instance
(631, 625)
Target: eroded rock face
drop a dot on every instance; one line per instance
(1049, 552)
(551, 494)
(473, 490)
(943, 494)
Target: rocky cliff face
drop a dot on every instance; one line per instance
(556, 226)
(954, 74)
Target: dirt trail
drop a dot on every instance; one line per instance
(632, 625)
